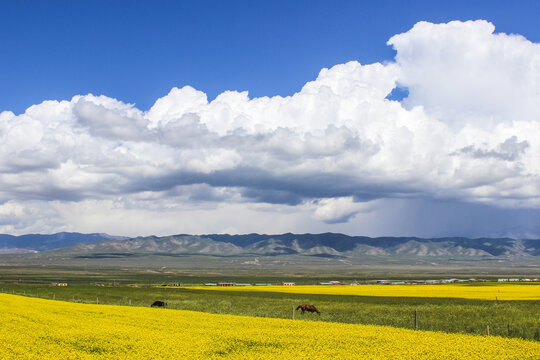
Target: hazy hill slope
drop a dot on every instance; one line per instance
(178, 244)
(39, 242)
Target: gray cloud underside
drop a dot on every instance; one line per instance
(509, 150)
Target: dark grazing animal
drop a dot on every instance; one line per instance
(310, 308)
(158, 303)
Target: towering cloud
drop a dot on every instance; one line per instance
(469, 131)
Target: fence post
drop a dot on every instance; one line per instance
(129, 301)
(415, 319)
(293, 312)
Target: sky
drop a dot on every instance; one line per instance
(368, 118)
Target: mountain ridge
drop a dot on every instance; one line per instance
(323, 244)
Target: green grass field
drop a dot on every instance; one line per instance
(505, 318)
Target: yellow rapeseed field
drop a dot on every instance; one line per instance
(43, 329)
(467, 291)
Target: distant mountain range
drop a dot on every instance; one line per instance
(330, 245)
(10, 244)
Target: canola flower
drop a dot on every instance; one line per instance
(466, 291)
(42, 329)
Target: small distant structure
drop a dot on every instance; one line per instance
(335, 282)
(502, 280)
(225, 283)
(263, 284)
(210, 284)
(433, 282)
(288, 283)
(59, 284)
(451, 281)
(384, 282)
(513, 280)
(243, 284)
(418, 282)
(325, 283)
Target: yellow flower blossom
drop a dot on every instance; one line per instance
(466, 291)
(33, 328)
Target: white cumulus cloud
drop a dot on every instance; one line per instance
(469, 131)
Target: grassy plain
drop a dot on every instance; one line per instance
(38, 328)
(506, 318)
(519, 318)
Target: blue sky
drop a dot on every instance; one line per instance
(136, 51)
(363, 117)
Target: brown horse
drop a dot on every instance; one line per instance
(310, 308)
